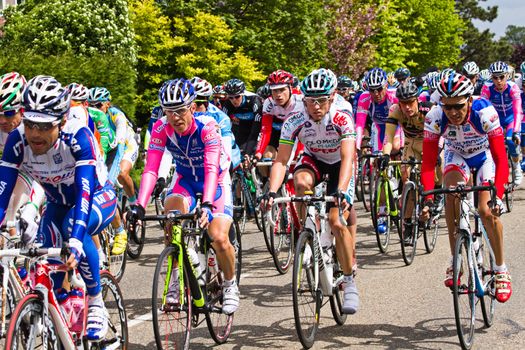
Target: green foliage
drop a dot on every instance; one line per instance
(84, 27)
(155, 43)
(111, 71)
(515, 35)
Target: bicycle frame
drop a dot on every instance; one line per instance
(389, 200)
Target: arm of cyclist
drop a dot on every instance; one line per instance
(346, 170)
(121, 125)
(515, 93)
(361, 116)
(250, 145)
(390, 132)
(265, 135)
(278, 171)
(497, 149)
(431, 152)
(212, 157)
(12, 157)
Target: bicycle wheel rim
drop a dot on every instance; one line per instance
(171, 322)
(383, 238)
(463, 292)
(336, 300)
(305, 291)
(219, 324)
(430, 233)
(117, 335)
(408, 247)
(486, 263)
(282, 239)
(27, 321)
(366, 178)
(134, 248)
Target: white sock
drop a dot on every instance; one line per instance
(500, 268)
(228, 283)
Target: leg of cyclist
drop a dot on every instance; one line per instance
(304, 178)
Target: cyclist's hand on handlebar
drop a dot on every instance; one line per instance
(206, 215)
(267, 200)
(516, 138)
(341, 200)
(77, 253)
(136, 213)
(497, 209)
(383, 162)
(425, 212)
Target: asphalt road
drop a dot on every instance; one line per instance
(402, 307)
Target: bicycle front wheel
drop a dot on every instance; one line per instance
(463, 292)
(117, 335)
(382, 217)
(28, 329)
(306, 294)
(116, 264)
(365, 182)
(281, 238)
(336, 300)
(219, 324)
(240, 211)
(409, 223)
(486, 262)
(171, 303)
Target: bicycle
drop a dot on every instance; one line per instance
(136, 241)
(411, 206)
(473, 265)
(367, 174)
(316, 271)
(39, 320)
(384, 194)
(116, 264)
(260, 190)
(245, 204)
(193, 299)
(509, 187)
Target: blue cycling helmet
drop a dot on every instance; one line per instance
(99, 94)
(319, 82)
(498, 68)
(402, 73)
(454, 85)
(344, 82)
(376, 78)
(176, 93)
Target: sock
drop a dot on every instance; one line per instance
(500, 268)
(95, 299)
(119, 229)
(132, 200)
(229, 283)
(348, 278)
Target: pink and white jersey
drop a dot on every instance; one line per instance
(322, 140)
(366, 107)
(280, 113)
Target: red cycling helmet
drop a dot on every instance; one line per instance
(279, 79)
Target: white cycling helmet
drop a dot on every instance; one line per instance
(454, 84)
(176, 93)
(12, 86)
(202, 87)
(78, 92)
(470, 69)
(498, 68)
(45, 100)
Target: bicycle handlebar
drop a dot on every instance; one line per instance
(34, 252)
(462, 188)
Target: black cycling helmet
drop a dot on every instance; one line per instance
(234, 87)
(407, 91)
(264, 91)
(402, 73)
(344, 82)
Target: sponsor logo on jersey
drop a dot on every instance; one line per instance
(451, 133)
(307, 125)
(2, 186)
(329, 127)
(57, 158)
(309, 133)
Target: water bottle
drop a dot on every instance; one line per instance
(328, 271)
(326, 236)
(24, 276)
(250, 183)
(212, 263)
(76, 298)
(195, 261)
(65, 304)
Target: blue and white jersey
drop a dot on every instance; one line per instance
(70, 171)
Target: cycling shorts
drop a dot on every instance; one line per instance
(332, 170)
(378, 135)
(482, 164)
(188, 189)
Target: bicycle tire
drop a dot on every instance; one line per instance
(486, 263)
(159, 209)
(281, 239)
(383, 238)
(10, 298)
(177, 314)
(118, 321)
(509, 190)
(25, 322)
(464, 294)
(236, 241)
(431, 230)
(305, 260)
(336, 300)
(239, 211)
(115, 264)
(358, 188)
(135, 247)
(408, 245)
(365, 181)
(266, 224)
(219, 324)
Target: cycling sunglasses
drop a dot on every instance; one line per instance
(379, 89)
(498, 77)
(9, 114)
(40, 126)
(234, 97)
(97, 104)
(449, 107)
(316, 100)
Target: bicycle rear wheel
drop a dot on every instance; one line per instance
(219, 324)
(117, 335)
(281, 239)
(26, 328)
(463, 292)
(383, 219)
(240, 211)
(431, 229)
(366, 181)
(116, 264)
(135, 246)
(409, 230)
(171, 316)
(336, 300)
(486, 262)
(236, 241)
(306, 293)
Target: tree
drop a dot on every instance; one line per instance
(155, 44)
(349, 48)
(84, 27)
(480, 46)
(515, 35)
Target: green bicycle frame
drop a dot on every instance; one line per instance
(389, 198)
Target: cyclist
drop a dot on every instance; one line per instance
(27, 193)
(375, 104)
(120, 159)
(474, 140)
(264, 92)
(409, 113)
(245, 112)
(424, 96)
(219, 96)
(202, 167)
(471, 70)
(505, 97)
(402, 74)
(276, 110)
(522, 139)
(63, 158)
(345, 88)
(328, 135)
(204, 90)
